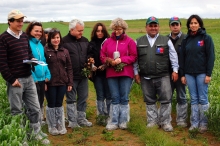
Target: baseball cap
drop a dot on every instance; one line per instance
(174, 20)
(151, 20)
(16, 14)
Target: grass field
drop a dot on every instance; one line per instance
(137, 134)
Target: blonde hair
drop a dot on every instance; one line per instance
(118, 22)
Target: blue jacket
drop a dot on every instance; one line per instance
(197, 54)
(41, 72)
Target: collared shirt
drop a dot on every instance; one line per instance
(174, 40)
(14, 34)
(177, 37)
(172, 54)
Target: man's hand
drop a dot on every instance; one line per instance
(16, 83)
(174, 76)
(34, 64)
(207, 79)
(137, 79)
(46, 80)
(183, 80)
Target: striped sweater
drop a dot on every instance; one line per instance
(12, 53)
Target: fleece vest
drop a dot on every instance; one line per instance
(153, 61)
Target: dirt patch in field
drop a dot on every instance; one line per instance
(97, 136)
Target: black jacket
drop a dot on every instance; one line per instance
(78, 50)
(94, 52)
(197, 54)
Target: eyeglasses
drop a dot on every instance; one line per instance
(173, 24)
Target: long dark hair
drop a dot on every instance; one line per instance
(31, 26)
(52, 33)
(104, 31)
(199, 19)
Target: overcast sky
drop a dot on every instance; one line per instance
(89, 10)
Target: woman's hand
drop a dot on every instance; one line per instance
(45, 87)
(69, 88)
(118, 60)
(207, 79)
(183, 80)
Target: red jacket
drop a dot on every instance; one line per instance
(128, 54)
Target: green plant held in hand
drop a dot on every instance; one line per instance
(119, 67)
(85, 72)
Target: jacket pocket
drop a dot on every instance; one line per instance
(142, 49)
(161, 67)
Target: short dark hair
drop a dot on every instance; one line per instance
(31, 26)
(11, 20)
(51, 35)
(104, 30)
(199, 19)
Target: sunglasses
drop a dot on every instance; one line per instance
(36, 23)
(53, 30)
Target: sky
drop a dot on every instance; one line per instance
(92, 10)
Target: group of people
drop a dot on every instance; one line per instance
(160, 64)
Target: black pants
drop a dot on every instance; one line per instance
(40, 92)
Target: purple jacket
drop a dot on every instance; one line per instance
(128, 54)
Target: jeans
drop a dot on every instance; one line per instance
(55, 95)
(180, 91)
(102, 88)
(40, 85)
(78, 94)
(198, 89)
(119, 88)
(156, 86)
(26, 94)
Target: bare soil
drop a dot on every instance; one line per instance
(93, 136)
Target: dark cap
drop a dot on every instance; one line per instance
(174, 20)
(152, 19)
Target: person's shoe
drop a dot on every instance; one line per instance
(167, 127)
(43, 123)
(82, 121)
(123, 125)
(182, 124)
(43, 140)
(53, 131)
(111, 127)
(85, 122)
(73, 125)
(192, 128)
(152, 124)
(61, 130)
(43, 134)
(203, 129)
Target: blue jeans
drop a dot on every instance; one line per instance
(198, 89)
(102, 88)
(55, 95)
(78, 94)
(180, 91)
(26, 94)
(119, 88)
(156, 86)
